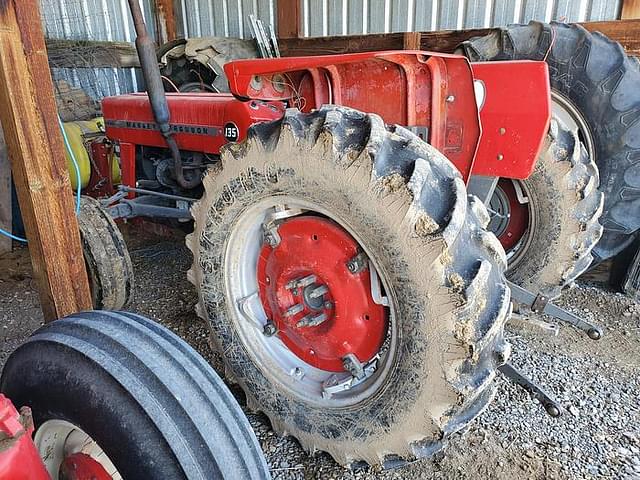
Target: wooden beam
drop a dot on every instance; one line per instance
(627, 32)
(411, 40)
(165, 21)
(289, 18)
(34, 142)
(6, 210)
(91, 54)
(630, 9)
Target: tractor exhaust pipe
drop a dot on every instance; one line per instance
(155, 89)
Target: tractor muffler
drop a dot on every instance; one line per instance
(155, 90)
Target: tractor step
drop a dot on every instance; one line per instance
(538, 303)
(551, 406)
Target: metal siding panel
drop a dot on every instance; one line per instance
(248, 8)
(474, 13)
(503, 12)
(215, 11)
(423, 18)
(355, 14)
(234, 17)
(567, 11)
(604, 10)
(335, 17)
(315, 18)
(266, 13)
(534, 10)
(399, 13)
(376, 16)
(448, 15)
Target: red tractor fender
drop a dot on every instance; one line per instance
(430, 93)
(515, 113)
(19, 459)
(437, 95)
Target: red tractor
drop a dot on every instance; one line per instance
(347, 274)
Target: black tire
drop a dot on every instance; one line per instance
(601, 81)
(199, 62)
(564, 208)
(106, 257)
(153, 405)
(444, 271)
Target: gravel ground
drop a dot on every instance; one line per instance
(598, 383)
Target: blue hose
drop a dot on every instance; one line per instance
(78, 181)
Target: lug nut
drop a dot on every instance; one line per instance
(269, 329)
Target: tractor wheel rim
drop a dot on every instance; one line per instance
(278, 329)
(512, 218)
(571, 117)
(60, 442)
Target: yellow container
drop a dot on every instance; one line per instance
(75, 132)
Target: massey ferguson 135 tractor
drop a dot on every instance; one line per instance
(343, 266)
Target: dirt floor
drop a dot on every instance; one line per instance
(598, 383)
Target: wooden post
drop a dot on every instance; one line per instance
(34, 142)
(165, 21)
(6, 210)
(411, 40)
(630, 9)
(289, 17)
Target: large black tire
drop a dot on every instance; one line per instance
(407, 204)
(106, 257)
(196, 64)
(601, 82)
(153, 405)
(564, 207)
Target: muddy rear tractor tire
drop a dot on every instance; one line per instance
(106, 257)
(115, 395)
(350, 285)
(594, 88)
(548, 223)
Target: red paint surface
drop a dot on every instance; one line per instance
(408, 88)
(518, 219)
(190, 109)
(315, 245)
(81, 466)
(518, 100)
(19, 459)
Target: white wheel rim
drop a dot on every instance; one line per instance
(571, 117)
(270, 354)
(57, 439)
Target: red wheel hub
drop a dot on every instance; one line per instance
(323, 311)
(518, 216)
(80, 466)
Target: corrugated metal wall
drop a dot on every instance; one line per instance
(107, 20)
(110, 20)
(221, 18)
(346, 17)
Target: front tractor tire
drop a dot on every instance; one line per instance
(350, 285)
(115, 395)
(548, 223)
